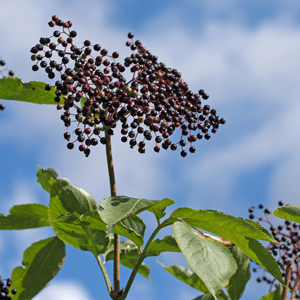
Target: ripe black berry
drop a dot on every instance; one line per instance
(153, 103)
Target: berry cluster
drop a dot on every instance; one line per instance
(289, 234)
(5, 289)
(3, 72)
(150, 105)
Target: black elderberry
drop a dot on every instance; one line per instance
(152, 106)
(67, 136)
(70, 146)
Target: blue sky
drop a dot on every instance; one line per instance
(245, 54)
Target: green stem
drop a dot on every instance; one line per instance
(141, 259)
(105, 275)
(113, 192)
(100, 263)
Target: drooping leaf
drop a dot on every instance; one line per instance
(72, 230)
(115, 209)
(129, 254)
(208, 258)
(73, 199)
(275, 295)
(187, 276)
(41, 262)
(291, 213)
(33, 91)
(239, 280)
(46, 178)
(166, 244)
(25, 216)
(240, 232)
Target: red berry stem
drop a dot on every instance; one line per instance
(295, 287)
(113, 191)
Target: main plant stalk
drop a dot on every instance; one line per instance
(113, 192)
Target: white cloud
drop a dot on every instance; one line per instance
(64, 290)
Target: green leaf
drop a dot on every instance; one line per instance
(132, 227)
(72, 230)
(46, 178)
(207, 296)
(239, 280)
(129, 254)
(41, 262)
(220, 295)
(208, 258)
(275, 295)
(221, 224)
(115, 209)
(33, 91)
(187, 276)
(73, 199)
(159, 208)
(240, 232)
(291, 213)
(166, 244)
(25, 216)
(260, 227)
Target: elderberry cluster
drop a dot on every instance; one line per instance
(5, 289)
(150, 105)
(289, 234)
(3, 73)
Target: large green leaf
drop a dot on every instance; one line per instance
(33, 91)
(46, 178)
(240, 232)
(74, 200)
(275, 295)
(187, 276)
(208, 258)
(221, 224)
(115, 209)
(41, 262)
(239, 280)
(291, 213)
(129, 254)
(71, 229)
(25, 216)
(166, 244)
(260, 227)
